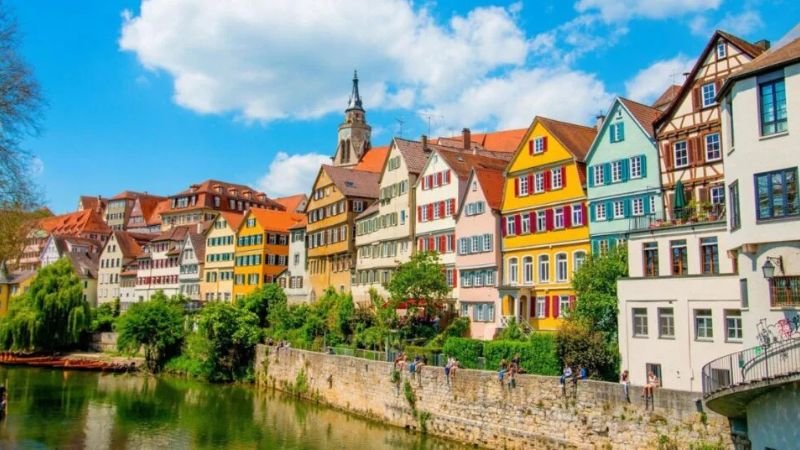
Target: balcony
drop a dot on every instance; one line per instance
(730, 383)
(692, 214)
(784, 291)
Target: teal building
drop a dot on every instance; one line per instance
(623, 179)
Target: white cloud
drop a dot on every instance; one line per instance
(742, 23)
(291, 174)
(293, 58)
(575, 38)
(622, 10)
(652, 81)
(36, 167)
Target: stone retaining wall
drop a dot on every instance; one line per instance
(475, 409)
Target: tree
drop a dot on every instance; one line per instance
(15, 224)
(51, 315)
(156, 325)
(231, 335)
(103, 316)
(20, 108)
(595, 285)
(261, 300)
(420, 282)
(579, 344)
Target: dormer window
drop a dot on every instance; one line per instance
(721, 50)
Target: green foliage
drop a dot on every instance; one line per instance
(595, 285)
(537, 355)
(466, 351)
(331, 318)
(429, 353)
(578, 344)
(421, 279)
(156, 325)
(103, 317)
(260, 301)
(51, 316)
(185, 365)
(395, 377)
(300, 386)
(512, 332)
(457, 328)
(410, 396)
(230, 334)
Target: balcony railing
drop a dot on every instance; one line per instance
(690, 214)
(764, 363)
(784, 291)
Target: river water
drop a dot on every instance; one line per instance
(55, 409)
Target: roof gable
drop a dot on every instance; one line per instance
(641, 115)
(574, 139)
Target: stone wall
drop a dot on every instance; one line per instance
(475, 409)
(104, 342)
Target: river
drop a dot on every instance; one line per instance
(55, 409)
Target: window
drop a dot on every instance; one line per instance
(637, 206)
(490, 278)
(563, 306)
(523, 185)
(476, 244)
(577, 215)
(703, 324)
(558, 218)
(681, 156)
(656, 369)
(652, 204)
(717, 195)
(465, 310)
(527, 270)
(561, 267)
(483, 312)
(679, 257)
(544, 268)
(617, 132)
(721, 50)
(541, 221)
(599, 178)
(600, 211)
(713, 148)
(636, 167)
(733, 193)
(776, 193)
(710, 254)
(538, 182)
(463, 246)
(616, 171)
(602, 246)
(526, 223)
(773, 107)
(619, 209)
(640, 322)
(556, 181)
(743, 293)
(709, 91)
(511, 227)
(650, 250)
(487, 242)
(733, 325)
(666, 323)
(578, 259)
(538, 145)
(512, 271)
(540, 307)
(784, 291)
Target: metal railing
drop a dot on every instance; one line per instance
(784, 291)
(691, 214)
(753, 365)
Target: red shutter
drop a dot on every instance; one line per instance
(548, 179)
(419, 244)
(530, 147)
(431, 243)
(455, 277)
(441, 208)
(530, 183)
(419, 213)
(548, 219)
(518, 224)
(544, 144)
(700, 152)
(696, 102)
(442, 244)
(430, 211)
(516, 186)
(563, 176)
(584, 216)
(547, 306)
(447, 176)
(572, 302)
(440, 178)
(567, 216)
(503, 226)
(555, 306)
(533, 221)
(532, 307)
(667, 156)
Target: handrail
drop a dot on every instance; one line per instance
(763, 363)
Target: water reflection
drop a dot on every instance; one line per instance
(53, 409)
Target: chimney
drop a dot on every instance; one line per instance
(763, 43)
(424, 140)
(599, 119)
(467, 138)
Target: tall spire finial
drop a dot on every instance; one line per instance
(355, 97)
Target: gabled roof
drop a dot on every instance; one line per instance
(491, 182)
(413, 154)
(198, 245)
(352, 182)
(784, 55)
(16, 277)
(233, 219)
(128, 195)
(576, 139)
(92, 203)
(177, 233)
(372, 209)
(746, 47)
(505, 141)
(86, 221)
(271, 220)
(130, 244)
(155, 215)
(292, 202)
(84, 264)
(300, 225)
(462, 162)
(666, 98)
(373, 160)
(643, 114)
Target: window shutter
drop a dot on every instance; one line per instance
(532, 304)
(646, 203)
(594, 215)
(532, 218)
(452, 239)
(530, 147)
(643, 165)
(691, 150)
(447, 177)
(518, 224)
(442, 244)
(503, 226)
(430, 211)
(548, 178)
(696, 100)
(626, 169)
(431, 243)
(607, 173)
(621, 131)
(568, 216)
(670, 200)
(547, 306)
(572, 302)
(666, 155)
(583, 214)
(563, 176)
(419, 213)
(440, 178)
(609, 210)
(455, 277)
(591, 176)
(544, 144)
(699, 148)
(555, 305)
(703, 194)
(441, 209)
(530, 183)
(548, 215)
(626, 207)
(516, 186)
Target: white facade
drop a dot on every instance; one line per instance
(50, 252)
(296, 284)
(191, 266)
(158, 269)
(109, 268)
(681, 312)
(764, 218)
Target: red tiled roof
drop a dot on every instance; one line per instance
(206, 190)
(373, 160)
(129, 195)
(463, 161)
(271, 220)
(130, 244)
(155, 216)
(86, 221)
(352, 182)
(497, 141)
(491, 182)
(300, 225)
(292, 202)
(89, 202)
(177, 233)
(576, 139)
(776, 57)
(643, 114)
(371, 209)
(232, 218)
(666, 98)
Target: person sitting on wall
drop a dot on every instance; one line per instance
(567, 374)
(652, 383)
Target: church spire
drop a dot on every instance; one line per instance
(355, 97)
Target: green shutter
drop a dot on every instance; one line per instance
(626, 169)
(621, 126)
(606, 173)
(643, 164)
(591, 176)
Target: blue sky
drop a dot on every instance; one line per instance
(155, 96)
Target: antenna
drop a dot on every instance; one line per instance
(429, 116)
(400, 123)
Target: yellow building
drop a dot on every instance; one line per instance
(338, 196)
(262, 248)
(11, 285)
(544, 222)
(217, 282)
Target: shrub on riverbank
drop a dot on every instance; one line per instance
(537, 353)
(466, 351)
(157, 326)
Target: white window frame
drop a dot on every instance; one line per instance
(543, 267)
(541, 221)
(523, 185)
(562, 267)
(636, 167)
(637, 206)
(704, 323)
(538, 145)
(558, 218)
(722, 51)
(476, 244)
(717, 195)
(708, 94)
(563, 305)
(538, 182)
(511, 228)
(555, 178)
(513, 271)
(600, 212)
(616, 171)
(578, 259)
(717, 151)
(525, 223)
(618, 207)
(487, 242)
(527, 270)
(577, 215)
(599, 176)
(683, 147)
(540, 307)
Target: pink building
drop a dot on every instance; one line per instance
(478, 251)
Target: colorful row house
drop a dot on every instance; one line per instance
(217, 284)
(544, 223)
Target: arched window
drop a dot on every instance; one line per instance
(561, 267)
(512, 271)
(527, 270)
(544, 268)
(578, 259)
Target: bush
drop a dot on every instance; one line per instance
(537, 355)
(428, 352)
(580, 344)
(466, 351)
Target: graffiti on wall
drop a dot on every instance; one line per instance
(782, 330)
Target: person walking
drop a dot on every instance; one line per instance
(624, 380)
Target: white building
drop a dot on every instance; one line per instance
(159, 264)
(294, 280)
(191, 265)
(679, 306)
(121, 249)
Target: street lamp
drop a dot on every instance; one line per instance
(769, 267)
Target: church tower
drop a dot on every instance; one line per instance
(354, 132)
